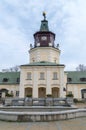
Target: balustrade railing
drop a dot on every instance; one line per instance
(38, 101)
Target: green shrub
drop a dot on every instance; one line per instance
(69, 95)
(9, 95)
(49, 95)
(75, 100)
(29, 95)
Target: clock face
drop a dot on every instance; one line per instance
(43, 38)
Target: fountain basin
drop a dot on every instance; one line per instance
(23, 114)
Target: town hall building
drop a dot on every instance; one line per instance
(44, 75)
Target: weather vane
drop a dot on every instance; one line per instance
(44, 14)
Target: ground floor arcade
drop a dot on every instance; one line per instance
(42, 92)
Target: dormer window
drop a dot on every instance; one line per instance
(83, 79)
(5, 79)
(69, 79)
(18, 80)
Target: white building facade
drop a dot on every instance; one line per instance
(44, 75)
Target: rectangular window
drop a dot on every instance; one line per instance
(18, 80)
(17, 93)
(55, 76)
(42, 76)
(29, 75)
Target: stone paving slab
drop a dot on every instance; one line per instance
(73, 124)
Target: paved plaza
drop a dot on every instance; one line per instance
(73, 124)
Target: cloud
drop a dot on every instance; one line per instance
(74, 29)
(20, 19)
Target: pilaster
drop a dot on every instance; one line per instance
(48, 88)
(35, 84)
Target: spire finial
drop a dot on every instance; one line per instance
(44, 14)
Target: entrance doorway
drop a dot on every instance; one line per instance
(41, 92)
(55, 92)
(28, 92)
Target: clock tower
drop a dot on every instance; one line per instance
(44, 48)
(44, 37)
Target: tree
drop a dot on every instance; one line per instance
(12, 69)
(81, 67)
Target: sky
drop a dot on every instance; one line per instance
(20, 19)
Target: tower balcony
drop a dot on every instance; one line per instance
(56, 46)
